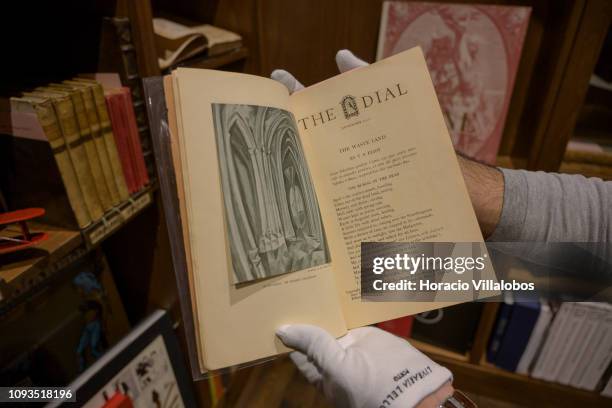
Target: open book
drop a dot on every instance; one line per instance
(278, 191)
(176, 42)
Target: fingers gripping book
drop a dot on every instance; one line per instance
(277, 192)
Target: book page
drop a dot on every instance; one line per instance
(384, 170)
(232, 231)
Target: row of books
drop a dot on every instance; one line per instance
(93, 137)
(568, 343)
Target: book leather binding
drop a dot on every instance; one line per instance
(64, 110)
(91, 150)
(43, 109)
(87, 92)
(109, 138)
(117, 54)
(114, 104)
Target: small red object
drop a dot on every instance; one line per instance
(401, 326)
(27, 238)
(119, 400)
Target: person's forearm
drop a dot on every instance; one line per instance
(520, 205)
(485, 186)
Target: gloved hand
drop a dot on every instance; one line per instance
(368, 367)
(345, 60)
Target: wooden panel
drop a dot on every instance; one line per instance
(19, 271)
(520, 389)
(549, 147)
(483, 332)
(141, 18)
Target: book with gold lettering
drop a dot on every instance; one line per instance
(276, 192)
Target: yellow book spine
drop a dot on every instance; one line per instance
(96, 131)
(48, 122)
(109, 140)
(91, 151)
(64, 109)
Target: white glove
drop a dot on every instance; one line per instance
(345, 60)
(368, 367)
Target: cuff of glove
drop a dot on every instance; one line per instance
(415, 385)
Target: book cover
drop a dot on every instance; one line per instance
(473, 53)
(118, 54)
(545, 363)
(602, 355)
(89, 143)
(503, 317)
(596, 336)
(66, 116)
(145, 368)
(522, 321)
(537, 336)
(96, 130)
(109, 139)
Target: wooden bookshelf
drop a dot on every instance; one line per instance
(488, 380)
(31, 269)
(221, 61)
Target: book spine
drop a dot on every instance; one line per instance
(114, 104)
(134, 139)
(126, 63)
(601, 357)
(64, 109)
(91, 151)
(536, 339)
(500, 329)
(589, 351)
(49, 123)
(543, 367)
(575, 352)
(109, 142)
(567, 347)
(524, 317)
(96, 131)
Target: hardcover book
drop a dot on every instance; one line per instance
(273, 189)
(472, 52)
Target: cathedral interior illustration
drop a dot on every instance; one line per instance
(271, 208)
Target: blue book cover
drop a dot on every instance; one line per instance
(520, 325)
(503, 316)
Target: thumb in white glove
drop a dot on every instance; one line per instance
(367, 367)
(345, 60)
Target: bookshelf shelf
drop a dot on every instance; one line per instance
(20, 270)
(218, 61)
(486, 379)
(23, 272)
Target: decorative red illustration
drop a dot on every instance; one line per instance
(472, 52)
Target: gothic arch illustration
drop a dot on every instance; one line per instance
(272, 214)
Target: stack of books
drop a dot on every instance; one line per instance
(73, 142)
(568, 343)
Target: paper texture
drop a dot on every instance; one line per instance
(384, 170)
(227, 313)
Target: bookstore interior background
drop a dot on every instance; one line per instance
(89, 296)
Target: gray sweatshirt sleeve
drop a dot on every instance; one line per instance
(554, 207)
